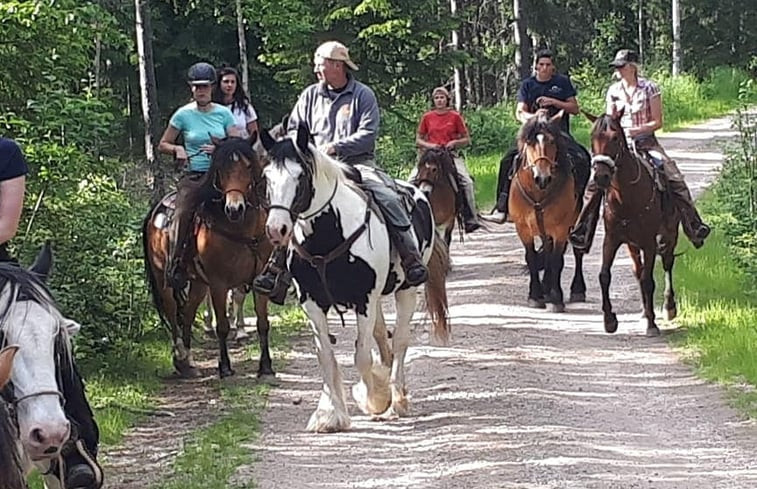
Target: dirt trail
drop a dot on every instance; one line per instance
(524, 398)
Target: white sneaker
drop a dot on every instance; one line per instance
(496, 216)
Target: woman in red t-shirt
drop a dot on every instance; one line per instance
(443, 127)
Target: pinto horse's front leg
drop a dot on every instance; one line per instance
(331, 414)
(609, 249)
(371, 393)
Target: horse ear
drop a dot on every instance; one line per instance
(71, 326)
(43, 263)
(216, 141)
(266, 140)
(303, 137)
(618, 114)
(557, 117)
(589, 116)
(6, 362)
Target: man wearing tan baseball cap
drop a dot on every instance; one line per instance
(342, 116)
(336, 51)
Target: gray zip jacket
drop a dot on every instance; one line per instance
(349, 119)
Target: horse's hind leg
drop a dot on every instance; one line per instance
(669, 304)
(553, 274)
(331, 414)
(609, 249)
(265, 367)
(222, 331)
(371, 393)
(405, 300)
(578, 285)
(238, 296)
(381, 335)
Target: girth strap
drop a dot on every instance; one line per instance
(319, 262)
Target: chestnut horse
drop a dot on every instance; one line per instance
(437, 177)
(544, 203)
(637, 214)
(230, 249)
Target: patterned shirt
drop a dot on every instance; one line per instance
(637, 104)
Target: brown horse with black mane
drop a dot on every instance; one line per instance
(230, 248)
(544, 203)
(11, 476)
(637, 213)
(437, 178)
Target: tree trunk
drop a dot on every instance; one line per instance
(641, 31)
(676, 38)
(455, 43)
(148, 92)
(242, 49)
(522, 41)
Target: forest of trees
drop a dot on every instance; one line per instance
(72, 86)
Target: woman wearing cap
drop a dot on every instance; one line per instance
(444, 127)
(640, 102)
(195, 122)
(229, 92)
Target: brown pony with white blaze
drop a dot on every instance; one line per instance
(544, 204)
(636, 214)
(230, 249)
(436, 176)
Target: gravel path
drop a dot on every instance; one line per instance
(523, 398)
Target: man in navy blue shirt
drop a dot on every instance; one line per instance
(547, 90)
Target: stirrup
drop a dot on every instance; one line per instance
(92, 463)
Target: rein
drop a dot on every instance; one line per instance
(319, 262)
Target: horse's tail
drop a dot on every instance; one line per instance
(436, 290)
(150, 277)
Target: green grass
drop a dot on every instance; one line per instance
(212, 454)
(719, 314)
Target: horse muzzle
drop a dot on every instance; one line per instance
(45, 440)
(278, 229)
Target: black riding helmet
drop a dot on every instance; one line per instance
(201, 74)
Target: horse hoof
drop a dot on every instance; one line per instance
(671, 312)
(536, 304)
(653, 331)
(210, 332)
(266, 374)
(611, 323)
(224, 372)
(577, 297)
(560, 307)
(188, 372)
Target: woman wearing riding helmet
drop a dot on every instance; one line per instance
(196, 123)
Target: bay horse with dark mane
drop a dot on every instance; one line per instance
(544, 203)
(230, 249)
(437, 177)
(637, 214)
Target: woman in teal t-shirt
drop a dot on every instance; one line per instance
(196, 122)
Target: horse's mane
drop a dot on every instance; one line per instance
(440, 155)
(23, 285)
(319, 162)
(539, 124)
(221, 160)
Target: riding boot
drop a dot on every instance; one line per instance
(415, 271)
(275, 279)
(176, 271)
(470, 219)
(81, 470)
(582, 235)
(693, 226)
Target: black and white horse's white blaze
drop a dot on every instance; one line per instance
(340, 256)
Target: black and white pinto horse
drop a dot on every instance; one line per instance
(340, 256)
(30, 320)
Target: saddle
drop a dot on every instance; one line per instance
(164, 211)
(654, 161)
